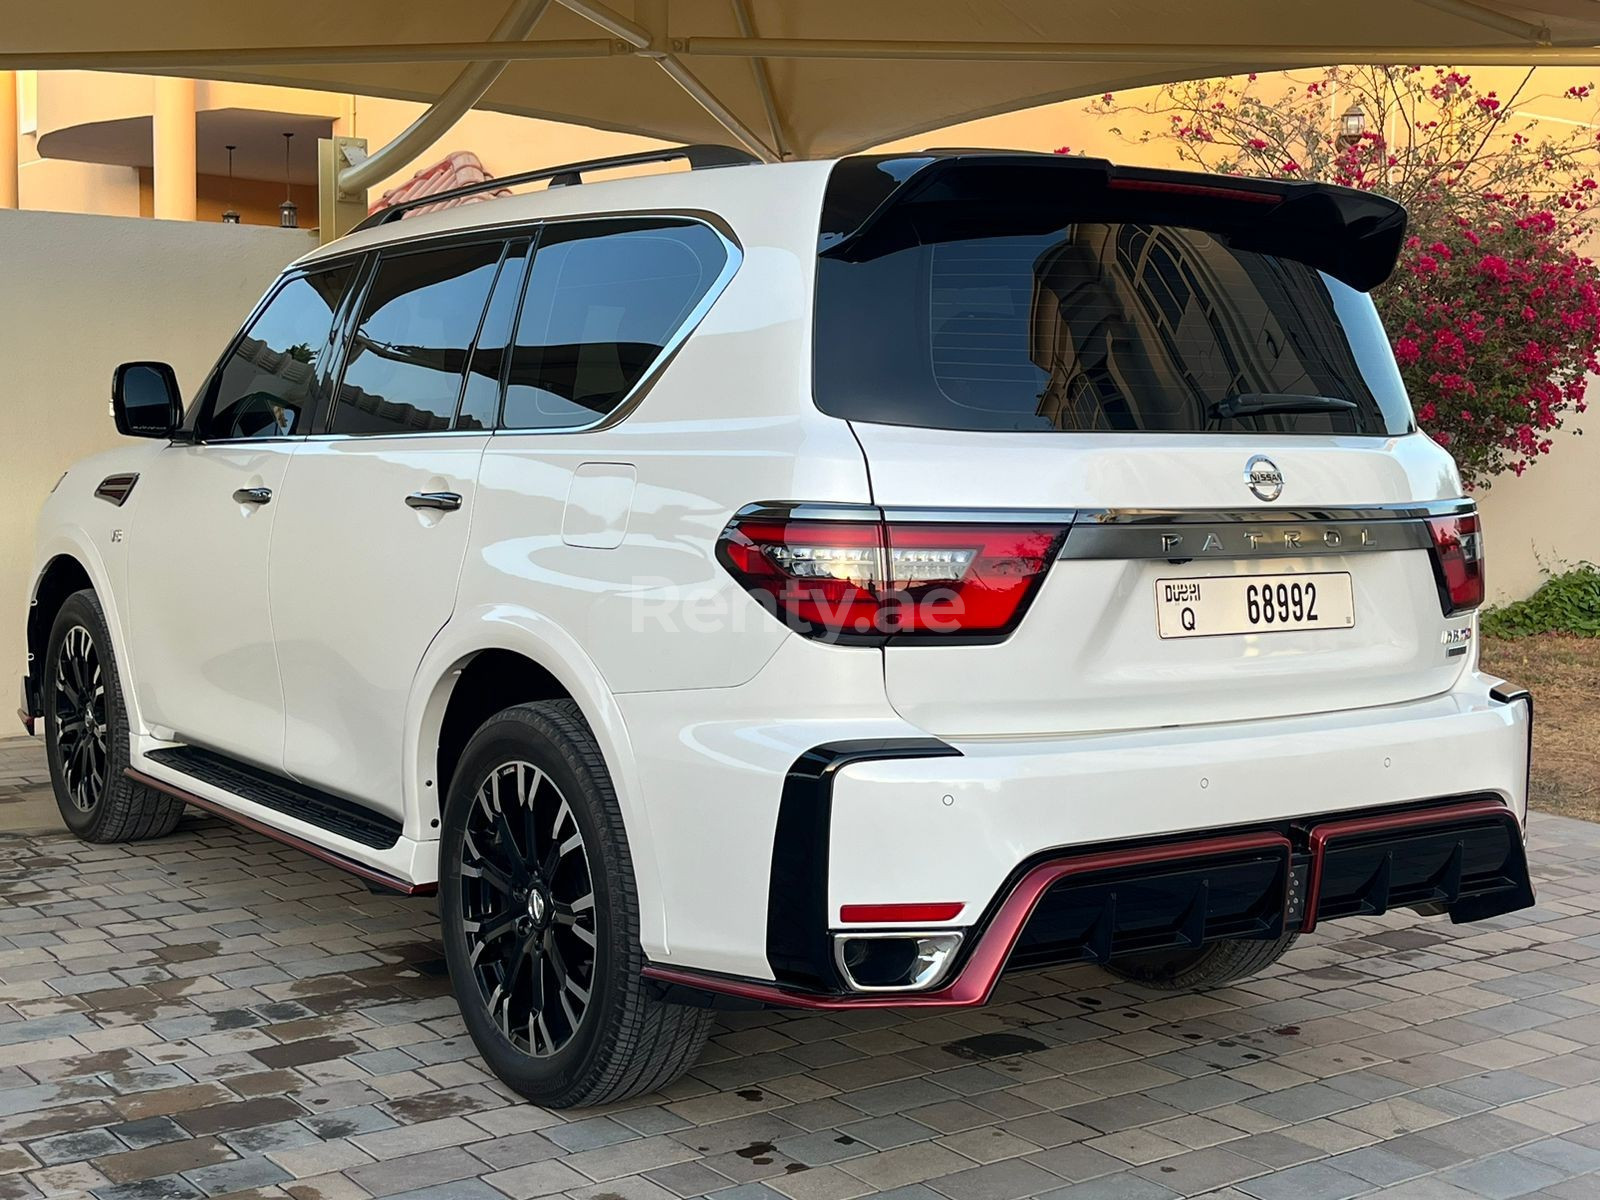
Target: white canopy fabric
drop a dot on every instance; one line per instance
(788, 78)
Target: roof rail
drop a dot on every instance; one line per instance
(699, 157)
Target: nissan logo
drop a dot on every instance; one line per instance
(1262, 477)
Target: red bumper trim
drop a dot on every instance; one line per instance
(1325, 831)
(978, 976)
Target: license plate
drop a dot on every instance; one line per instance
(1212, 606)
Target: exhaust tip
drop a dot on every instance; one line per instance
(898, 961)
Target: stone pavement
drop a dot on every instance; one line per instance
(214, 1014)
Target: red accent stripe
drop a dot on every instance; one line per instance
(1194, 189)
(982, 971)
(332, 857)
(867, 914)
(1321, 834)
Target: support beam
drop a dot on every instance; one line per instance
(725, 116)
(339, 210)
(9, 138)
(226, 58)
(1217, 55)
(611, 21)
(1538, 35)
(469, 87)
(763, 78)
(173, 137)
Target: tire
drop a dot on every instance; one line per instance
(1209, 966)
(86, 733)
(511, 913)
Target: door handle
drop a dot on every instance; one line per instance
(253, 495)
(438, 501)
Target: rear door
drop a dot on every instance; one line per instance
(370, 539)
(1223, 428)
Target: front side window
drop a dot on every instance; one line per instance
(408, 356)
(269, 385)
(604, 301)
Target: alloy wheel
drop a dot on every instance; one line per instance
(528, 908)
(81, 719)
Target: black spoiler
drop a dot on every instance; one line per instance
(878, 204)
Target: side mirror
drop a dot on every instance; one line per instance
(145, 400)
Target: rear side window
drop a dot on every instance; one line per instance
(408, 357)
(605, 300)
(1100, 326)
(269, 385)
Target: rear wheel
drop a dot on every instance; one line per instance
(86, 733)
(541, 918)
(1194, 968)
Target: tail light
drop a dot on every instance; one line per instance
(866, 579)
(1458, 561)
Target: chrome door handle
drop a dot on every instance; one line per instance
(438, 501)
(255, 495)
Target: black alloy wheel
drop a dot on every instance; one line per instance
(528, 908)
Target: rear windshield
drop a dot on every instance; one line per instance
(1101, 327)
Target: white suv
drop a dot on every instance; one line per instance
(826, 585)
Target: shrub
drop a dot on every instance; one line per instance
(1565, 603)
(1494, 314)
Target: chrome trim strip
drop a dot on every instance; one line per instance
(983, 516)
(1190, 534)
(787, 510)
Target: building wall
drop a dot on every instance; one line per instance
(76, 298)
(1549, 518)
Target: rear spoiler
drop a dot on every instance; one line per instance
(882, 203)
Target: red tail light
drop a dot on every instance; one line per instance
(1458, 561)
(866, 580)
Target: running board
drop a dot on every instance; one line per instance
(332, 857)
(344, 818)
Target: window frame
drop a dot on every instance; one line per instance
(206, 398)
(732, 261)
(350, 320)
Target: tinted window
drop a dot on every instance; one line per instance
(480, 401)
(408, 356)
(603, 300)
(1097, 326)
(270, 384)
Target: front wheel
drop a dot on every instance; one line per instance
(540, 918)
(1196, 968)
(86, 733)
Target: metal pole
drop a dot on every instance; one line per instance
(1489, 19)
(193, 62)
(763, 78)
(469, 87)
(1215, 55)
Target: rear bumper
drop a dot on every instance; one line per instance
(1464, 857)
(1417, 805)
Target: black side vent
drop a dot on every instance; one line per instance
(116, 488)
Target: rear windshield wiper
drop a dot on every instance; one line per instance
(1261, 404)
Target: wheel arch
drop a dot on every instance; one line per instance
(67, 561)
(483, 663)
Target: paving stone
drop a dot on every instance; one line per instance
(215, 1014)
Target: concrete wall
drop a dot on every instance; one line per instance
(79, 294)
(1548, 518)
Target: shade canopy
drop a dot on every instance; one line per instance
(789, 78)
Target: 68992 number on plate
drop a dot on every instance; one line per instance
(1214, 606)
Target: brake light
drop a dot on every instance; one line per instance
(1458, 561)
(866, 580)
